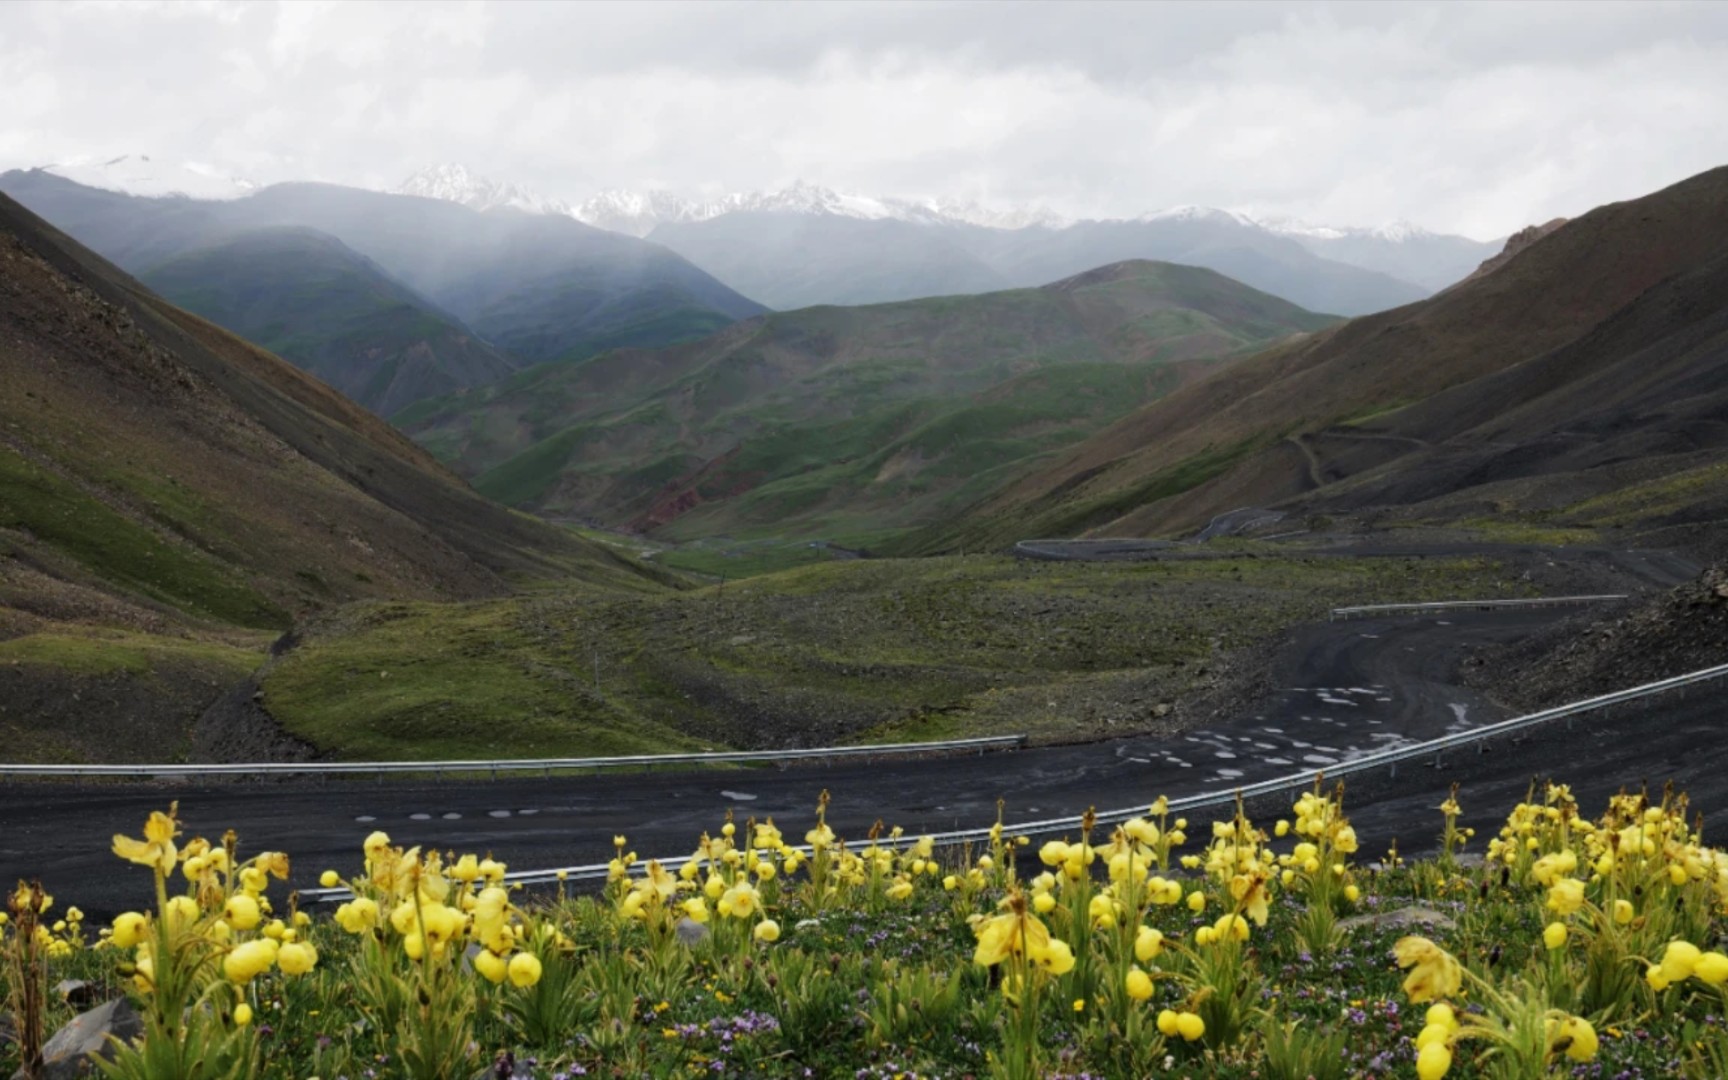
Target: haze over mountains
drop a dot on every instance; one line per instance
(808, 244)
(540, 288)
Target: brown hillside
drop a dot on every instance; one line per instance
(1266, 429)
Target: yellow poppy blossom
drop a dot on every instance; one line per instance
(1434, 971)
(157, 848)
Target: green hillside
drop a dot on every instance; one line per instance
(308, 298)
(846, 421)
(172, 499)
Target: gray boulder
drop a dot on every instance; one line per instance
(1405, 918)
(71, 1051)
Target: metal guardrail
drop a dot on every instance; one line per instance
(1470, 605)
(541, 765)
(1286, 784)
(1062, 550)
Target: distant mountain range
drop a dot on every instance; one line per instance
(807, 244)
(848, 421)
(395, 297)
(768, 248)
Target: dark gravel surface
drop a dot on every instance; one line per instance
(1342, 689)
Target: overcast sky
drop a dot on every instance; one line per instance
(1473, 119)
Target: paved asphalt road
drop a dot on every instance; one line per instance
(1345, 689)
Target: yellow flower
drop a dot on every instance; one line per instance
(1011, 933)
(767, 930)
(1554, 935)
(1190, 1026)
(1139, 984)
(329, 879)
(1566, 896)
(1249, 891)
(1623, 912)
(1712, 968)
(490, 965)
(181, 913)
(157, 848)
(1679, 960)
(1435, 973)
(465, 869)
(241, 912)
(242, 1014)
(1055, 957)
(1578, 1039)
(1230, 926)
(247, 961)
(1148, 943)
(273, 862)
(740, 901)
(296, 958)
(1196, 901)
(358, 916)
(1439, 1033)
(1167, 1022)
(524, 970)
(1433, 1060)
(129, 929)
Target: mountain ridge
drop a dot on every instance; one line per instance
(309, 298)
(172, 498)
(541, 287)
(1379, 411)
(814, 413)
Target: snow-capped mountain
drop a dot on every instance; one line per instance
(1208, 214)
(454, 183)
(141, 174)
(1401, 249)
(1395, 232)
(638, 213)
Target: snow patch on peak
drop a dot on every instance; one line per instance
(143, 175)
(1197, 213)
(453, 182)
(639, 212)
(1394, 232)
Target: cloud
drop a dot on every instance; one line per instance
(1470, 117)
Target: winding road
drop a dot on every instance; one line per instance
(1342, 690)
